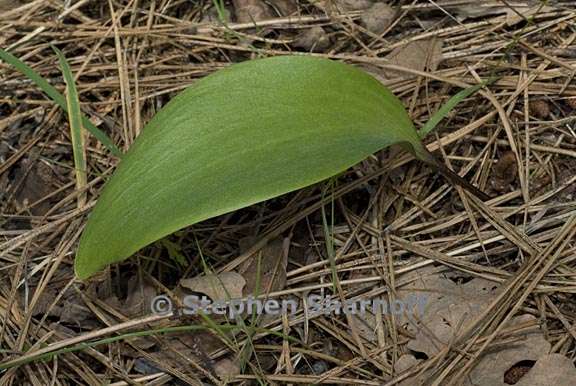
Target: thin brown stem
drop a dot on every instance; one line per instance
(454, 177)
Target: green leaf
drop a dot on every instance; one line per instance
(76, 130)
(242, 135)
(448, 106)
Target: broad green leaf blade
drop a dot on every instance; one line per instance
(245, 134)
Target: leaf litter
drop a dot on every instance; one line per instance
(536, 347)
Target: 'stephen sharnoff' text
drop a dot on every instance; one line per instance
(314, 304)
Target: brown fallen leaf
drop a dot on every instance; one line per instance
(270, 273)
(353, 5)
(74, 312)
(196, 346)
(378, 18)
(59, 302)
(421, 55)
(519, 14)
(492, 366)
(407, 362)
(514, 14)
(552, 369)
(9, 5)
(284, 7)
(249, 11)
(221, 287)
(504, 172)
(313, 39)
(496, 365)
(539, 108)
(448, 306)
(565, 174)
(475, 10)
(140, 295)
(34, 180)
(227, 368)
(214, 15)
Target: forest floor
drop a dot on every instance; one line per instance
(486, 287)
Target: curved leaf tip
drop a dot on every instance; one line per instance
(242, 135)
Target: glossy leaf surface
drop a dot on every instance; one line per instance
(242, 135)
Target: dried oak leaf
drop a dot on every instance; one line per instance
(519, 14)
(284, 7)
(552, 369)
(504, 172)
(271, 269)
(565, 175)
(378, 18)
(9, 5)
(353, 5)
(515, 14)
(215, 15)
(69, 308)
(193, 345)
(227, 368)
(476, 10)
(420, 55)
(408, 362)
(35, 180)
(447, 308)
(140, 293)
(539, 108)
(249, 11)
(313, 39)
(493, 365)
(221, 287)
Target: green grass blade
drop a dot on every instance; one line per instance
(448, 106)
(76, 130)
(46, 355)
(58, 98)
